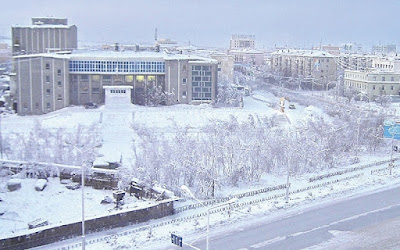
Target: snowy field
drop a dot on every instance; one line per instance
(60, 205)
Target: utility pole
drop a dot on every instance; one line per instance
(1, 141)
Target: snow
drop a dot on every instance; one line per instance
(58, 205)
(40, 184)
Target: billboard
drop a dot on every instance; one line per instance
(391, 129)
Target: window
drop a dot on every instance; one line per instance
(140, 78)
(107, 78)
(373, 87)
(383, 78)
(59, 97)
(95, 78)
(184, 67)
(47, 79)
(391, 87)
(47, 66)
(129, 78)
(184, 80)
(151, 78)
(383, 87)
(84, 90)
(59, 84)
(48, 105)
(95, 90)
(392, 79)
(36, 105)
(58, 72)
(84, 78)
(374, 78)
(184, 94)
(48, 91)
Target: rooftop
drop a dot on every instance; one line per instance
(305, 53)
(118, 55)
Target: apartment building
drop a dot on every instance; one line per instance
(226, 65)
(50, 81)
(45, 34)
(373, 83)
(317, 65)
(356, 61)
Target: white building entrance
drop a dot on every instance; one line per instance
(117, 96)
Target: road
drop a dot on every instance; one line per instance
(371, 221)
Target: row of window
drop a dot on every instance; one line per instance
(359, 85)
(118, 91)
(118, 78)
(364, 77)
(117, 66)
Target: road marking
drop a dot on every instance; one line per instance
(268, 242)
(280, 238)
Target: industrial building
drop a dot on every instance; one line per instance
(45, 34)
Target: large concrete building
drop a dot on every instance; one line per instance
(317, 65)
(50, 81)
(44, 35)
(373, 83)
(242, 42)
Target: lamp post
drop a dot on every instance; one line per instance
(185, 189)
(82, 198)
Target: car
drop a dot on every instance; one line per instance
(90, 105)
(291, 106)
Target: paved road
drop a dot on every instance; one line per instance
(370, 221)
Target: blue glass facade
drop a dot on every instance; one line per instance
(116, 66)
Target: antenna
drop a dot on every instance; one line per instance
(155, 35)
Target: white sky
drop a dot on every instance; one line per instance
(211, 23)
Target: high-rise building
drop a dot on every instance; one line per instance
(46, 34)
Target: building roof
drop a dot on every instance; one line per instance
(305, 53)
(118, 55)
(44, 26)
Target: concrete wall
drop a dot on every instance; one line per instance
(47, 234)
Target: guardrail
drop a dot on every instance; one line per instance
(349, 170)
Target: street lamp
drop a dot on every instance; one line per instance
(83, 197)
(185, 189)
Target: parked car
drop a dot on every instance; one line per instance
(291, 106)
(90, 105)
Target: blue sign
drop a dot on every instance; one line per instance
(391, 130)
(177, 240)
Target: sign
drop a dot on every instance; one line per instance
(175, 239)
(391, 130)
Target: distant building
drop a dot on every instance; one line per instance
(5, 53)
(226, 65)
(50, 81)
(388, 49)
(250, 57)
(242, 42)
(373, 83)
(44, 35)
(315, 65)
(356, 61)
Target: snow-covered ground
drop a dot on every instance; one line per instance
(60, 205)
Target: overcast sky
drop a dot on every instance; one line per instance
(212, 22)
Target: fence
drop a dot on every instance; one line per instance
(349, 170)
